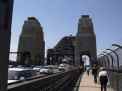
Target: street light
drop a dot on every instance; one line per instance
(116, 56)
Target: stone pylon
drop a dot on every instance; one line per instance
(31, 43)
(85, 43)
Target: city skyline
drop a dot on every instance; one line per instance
(59, 18)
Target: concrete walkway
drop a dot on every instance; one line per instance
(87, 84)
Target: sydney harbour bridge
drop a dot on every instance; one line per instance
(69, 52)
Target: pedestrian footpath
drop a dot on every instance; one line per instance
(87, 84)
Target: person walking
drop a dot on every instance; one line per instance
(94, 72)
(103, 78)
(88, 69)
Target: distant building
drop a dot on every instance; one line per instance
(64, 48)
(74, 47)
(31, 46)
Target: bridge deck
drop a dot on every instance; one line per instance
(87, 84)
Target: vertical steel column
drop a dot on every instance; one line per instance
(111, 59)
(103, 59)
(108, 58)
(6, 7)
(116, 56)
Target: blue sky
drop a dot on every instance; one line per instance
(60, 17)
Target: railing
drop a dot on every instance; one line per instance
(114, 67)
(57, 82)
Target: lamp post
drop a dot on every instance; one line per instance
(116, 56)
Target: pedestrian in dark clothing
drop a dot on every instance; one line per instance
(88, 69)
(88, 72)
(103, 77)
(94, 72)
